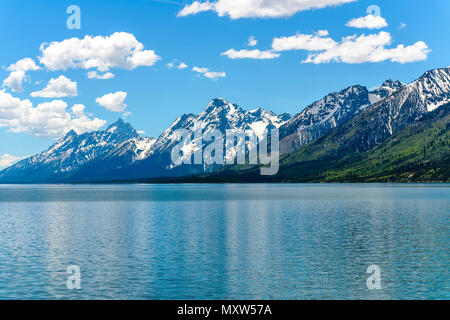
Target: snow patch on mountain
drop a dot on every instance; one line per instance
(386, 89)
(322, 116)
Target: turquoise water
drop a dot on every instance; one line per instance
(225, 241)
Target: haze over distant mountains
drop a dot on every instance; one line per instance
(343, 124)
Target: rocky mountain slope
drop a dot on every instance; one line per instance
(120, 153)
(386, 119)
(73, 152)
(329, 112)
(382, 119)
(340, 125)
(218, 115)
(420, 152)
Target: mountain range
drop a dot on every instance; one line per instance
(330, 140)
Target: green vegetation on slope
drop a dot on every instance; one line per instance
(420, 152)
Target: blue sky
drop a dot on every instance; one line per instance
(156, 94)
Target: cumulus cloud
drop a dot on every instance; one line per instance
(49, 119)
(351, 49)
(58, 88)
(196, 7)
(252, 41)
(100, 76)
(15, 80)
(250, 54)
(182, 66)
(18, 74)
(170, 65)
(236, 9)
(370, 48)
(113, 101)
(368, 22)
(25, 64)
(209, 74)
(304, 42)
(322, 33)
(78, 109)
(8, 160)
(120, 50)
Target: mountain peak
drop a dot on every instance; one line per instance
(123, 128)
(119, 123)
(433, 88)
(71, 133)
(436, 73)
(219, 102)
(221, 105)
(392, 84)
(387, 88)
(258, 111)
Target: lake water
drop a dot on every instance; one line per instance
(225, 241)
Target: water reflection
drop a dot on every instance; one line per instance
(225, 242)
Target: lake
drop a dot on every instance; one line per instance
(255, 241)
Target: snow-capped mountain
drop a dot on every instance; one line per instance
(119, 151)
(347, 120)
(406, 105)
(222, 115)
(322, 116)
(331, 111)
(71, 153)
(387, 88)
(219, 115)
(383, 119)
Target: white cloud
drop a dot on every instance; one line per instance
(96, 75)
(179, 66)
(8, 160)
(403, 54)
(196, 7)
(351, 49)
(236, 9)
(142, 58)
(49, 119)
(402, 25)
(304, 42)
(25, 64)
(322, 33)
(58, 88)
(18, 74)
(15, 80)
(209, 74)
(369, 22)
(78, 109)
(252, 41)
(370, 48)
(120, 50)
(250, 54)
(113, 101)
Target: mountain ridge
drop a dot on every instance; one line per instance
(338, 125)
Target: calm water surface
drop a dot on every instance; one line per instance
(225, 241)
